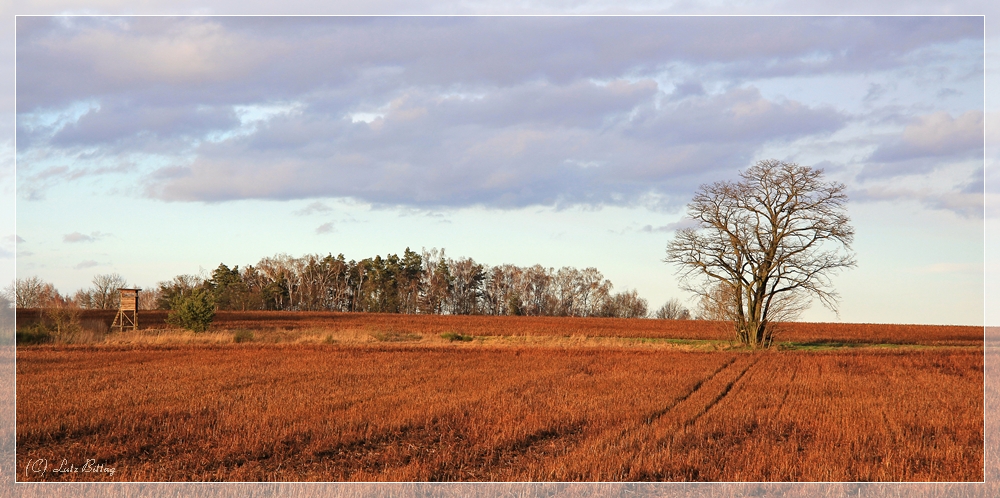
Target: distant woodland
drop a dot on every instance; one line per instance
(427, 282)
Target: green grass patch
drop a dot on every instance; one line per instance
(33, 336)
(663, 340)
(838, 345)
(395, 336)
(456, 336)
(677, 342)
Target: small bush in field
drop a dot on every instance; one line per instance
(33, 335)
(194, 312)
(456, 336)
(243, 336)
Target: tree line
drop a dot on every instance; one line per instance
(428, 282)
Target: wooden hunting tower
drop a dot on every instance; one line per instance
(128, 310)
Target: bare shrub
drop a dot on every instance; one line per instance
(673, 310)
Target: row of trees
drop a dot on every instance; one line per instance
(428, 282)
(33, 292)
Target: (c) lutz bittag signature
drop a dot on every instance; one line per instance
(89, 466)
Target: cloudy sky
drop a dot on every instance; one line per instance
(156, 146)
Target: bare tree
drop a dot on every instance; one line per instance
(33, 292)
(104, 293)
(28, 292)
(170, 293)
(537, 298)
(503, 290)
(673, 310)
(594, 290)
(280, 281)
(148, 298)
(84, 298)
(766, 243)
(565, 284)
(436, 281)
(626, 304)
(318, 276)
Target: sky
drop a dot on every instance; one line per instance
(158, 146)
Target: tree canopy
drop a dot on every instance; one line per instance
(764, 246)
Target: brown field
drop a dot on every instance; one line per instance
(491, 326)
(398, 412)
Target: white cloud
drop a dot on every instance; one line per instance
(313, 208)
(531, 144)
(965, 204)
(671, 227)
(79, 237)
(936, 135)
(86, 264)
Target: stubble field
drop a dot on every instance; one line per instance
(437, 411)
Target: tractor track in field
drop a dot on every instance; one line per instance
(687, 410)
(725, 391)
(698, 385)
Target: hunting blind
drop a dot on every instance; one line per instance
(128, 310)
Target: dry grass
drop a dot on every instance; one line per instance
(295, 325)
(370, 336)
(396, 412)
